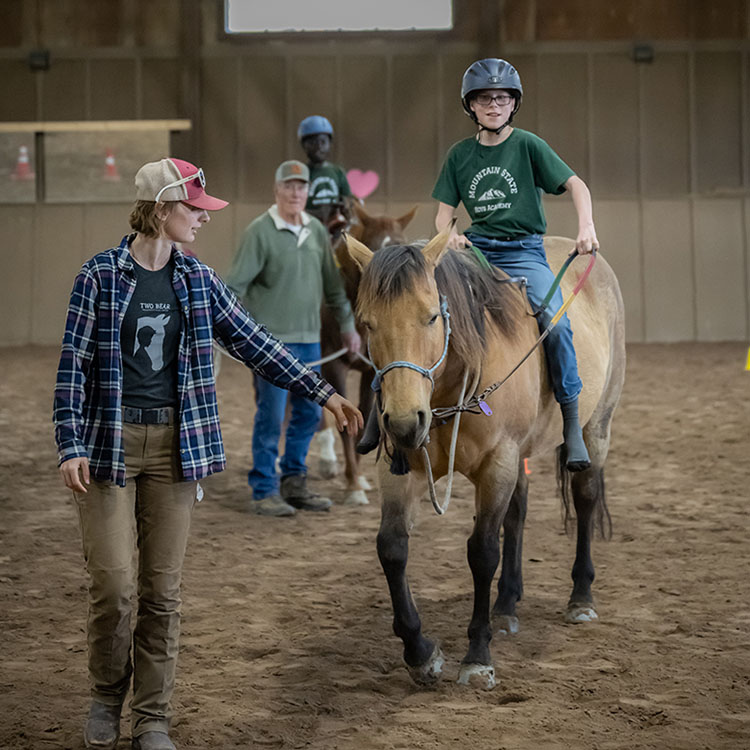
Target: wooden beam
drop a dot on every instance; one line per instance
(93, 126)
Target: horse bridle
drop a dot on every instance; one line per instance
(427, 372)
(424, 371)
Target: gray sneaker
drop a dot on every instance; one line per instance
(272, 505)
(153, 741)
(102, 727)
(294, 491)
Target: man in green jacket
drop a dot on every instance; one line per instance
(283, 272)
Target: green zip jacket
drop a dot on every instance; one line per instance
(283, 279)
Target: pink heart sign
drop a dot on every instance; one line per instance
(362, 183)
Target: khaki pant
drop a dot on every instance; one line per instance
(137, 533)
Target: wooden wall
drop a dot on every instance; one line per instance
(664, 146)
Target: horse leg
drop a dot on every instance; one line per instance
(325, 441)
(510, 584)
(335, 373)
(587, 488)
(354, 494)
(423, 658)
(589, 500)
(483, 550)
(328, 466)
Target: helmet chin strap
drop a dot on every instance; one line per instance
(496, 131)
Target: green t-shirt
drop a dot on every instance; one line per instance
(328, 185)
(501, 186)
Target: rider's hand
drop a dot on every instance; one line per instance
(348, 417)
(75, 473)
(586, 241)
(352, 341)
(458, 242)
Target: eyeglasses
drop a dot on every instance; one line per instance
(197, 176)
(484, 100)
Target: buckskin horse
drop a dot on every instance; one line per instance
(440, 325)
(375, 232)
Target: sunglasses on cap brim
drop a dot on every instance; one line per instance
(197, 176)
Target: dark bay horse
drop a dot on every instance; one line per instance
(375, 232)
(423, 364)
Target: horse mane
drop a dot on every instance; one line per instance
(474, 294)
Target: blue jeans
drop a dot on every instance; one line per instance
(526, 257)
(271, 404)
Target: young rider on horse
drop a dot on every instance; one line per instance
(329, 189)
(499, 175)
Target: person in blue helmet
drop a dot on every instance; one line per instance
(330, 194)
(499, 174)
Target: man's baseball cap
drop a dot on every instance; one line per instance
(175, 180)
(292, 170)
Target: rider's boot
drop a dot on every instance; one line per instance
(577, 455)
(371, 434)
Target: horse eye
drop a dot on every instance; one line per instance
(433, 319)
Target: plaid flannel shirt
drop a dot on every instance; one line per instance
(88, 393)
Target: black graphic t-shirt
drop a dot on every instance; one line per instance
(150, 340)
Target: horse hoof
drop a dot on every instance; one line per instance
(480, 676)
(506, 624)
(431, 671)
(363, 483)
(577, 613)
(328, 469)
(356, 497)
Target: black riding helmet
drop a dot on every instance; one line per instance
(491, 73)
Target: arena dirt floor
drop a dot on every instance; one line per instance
(287, 639)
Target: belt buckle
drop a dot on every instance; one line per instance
(156, 416)
(131, 415)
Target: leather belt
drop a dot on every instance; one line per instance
(132, 415)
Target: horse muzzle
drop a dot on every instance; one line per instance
(408, 432)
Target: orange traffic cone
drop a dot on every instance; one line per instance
(110, 168)
(23, 168)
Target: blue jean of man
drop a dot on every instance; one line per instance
(526, 257)
(269, 417)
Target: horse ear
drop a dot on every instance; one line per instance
(434, 250)
(359, 210)
(404, 220)
(358, 252)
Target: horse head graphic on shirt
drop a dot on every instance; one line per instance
(150, 334)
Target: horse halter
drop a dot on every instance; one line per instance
(426, 372)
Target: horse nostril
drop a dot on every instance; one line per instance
(421, 418)
(386, 420)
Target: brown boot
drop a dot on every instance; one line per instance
(102, 728)
(272, 505)
(153, 741)
(294, 491)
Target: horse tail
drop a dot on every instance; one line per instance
(601, 519)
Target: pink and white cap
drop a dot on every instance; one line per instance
(175, 180)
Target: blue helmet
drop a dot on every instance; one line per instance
(313, 125)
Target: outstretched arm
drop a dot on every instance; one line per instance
(579, 192)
